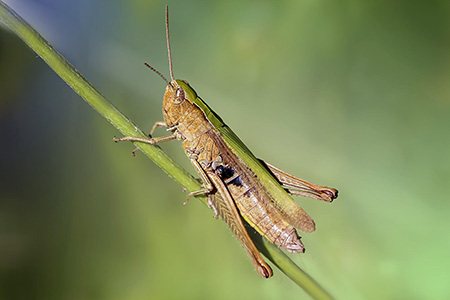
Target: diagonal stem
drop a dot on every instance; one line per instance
(12, 21)
(89, 94)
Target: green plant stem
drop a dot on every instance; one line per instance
(89, 94)
(288, 267)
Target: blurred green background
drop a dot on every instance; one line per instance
(351, 94)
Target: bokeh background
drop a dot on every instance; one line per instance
(351, 94)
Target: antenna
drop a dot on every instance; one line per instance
(169, 52)
(157, 72)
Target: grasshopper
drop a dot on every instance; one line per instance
(240, 188)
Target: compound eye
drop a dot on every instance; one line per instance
(179, 94)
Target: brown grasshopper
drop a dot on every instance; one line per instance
(240, 188)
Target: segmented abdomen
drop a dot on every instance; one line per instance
(253, 202)
(257, 209)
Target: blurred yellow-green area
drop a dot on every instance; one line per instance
(349, 94)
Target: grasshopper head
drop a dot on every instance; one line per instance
(179, 91)
(178, 97)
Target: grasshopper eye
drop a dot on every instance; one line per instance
(179, 93)
(179, 96)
